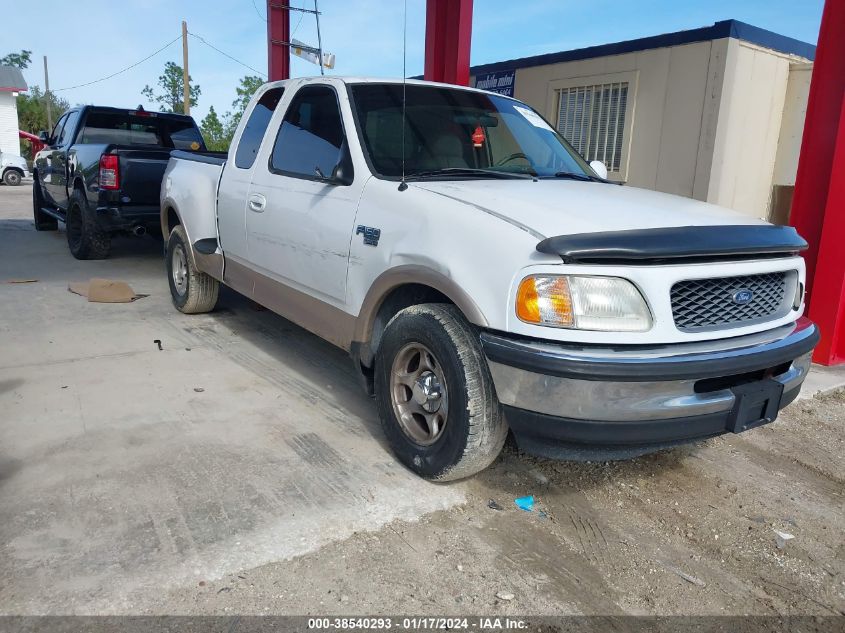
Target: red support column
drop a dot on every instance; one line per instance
(278, 37)
(448, 34)
(818, 205)
(827, 305)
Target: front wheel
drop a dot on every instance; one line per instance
(192, 291)
(43, 222)
(435, 394)
(12, 178)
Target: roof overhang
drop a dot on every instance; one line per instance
(719, 30)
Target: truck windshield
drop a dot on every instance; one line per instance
(149, 128)
(458, 134)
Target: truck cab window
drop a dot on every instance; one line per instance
(255, 128)
(57, 130)
(68, 129)
(310, 139)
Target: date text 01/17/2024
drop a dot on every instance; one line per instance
(422, 623)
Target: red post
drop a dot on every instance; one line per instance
(448, 34)
(278, 37)
(818, 205)
(827, 305)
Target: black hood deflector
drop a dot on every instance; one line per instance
(675, 244)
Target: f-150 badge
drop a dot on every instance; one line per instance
(371, 235)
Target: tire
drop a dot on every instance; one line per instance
(12, 177)
(85, 238)
(43, 222)
(473, 431)
(192, 291)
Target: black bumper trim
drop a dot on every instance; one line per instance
(569, 438)
(568, 362)
(126, 218)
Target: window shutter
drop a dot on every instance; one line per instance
(592, 119)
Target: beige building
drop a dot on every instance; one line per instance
(715, 113)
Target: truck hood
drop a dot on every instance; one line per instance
(12, 160)
(566, 207)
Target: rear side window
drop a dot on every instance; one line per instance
(310, 140)
(129, 128)
(255, 128)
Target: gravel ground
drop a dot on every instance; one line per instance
(690, 531)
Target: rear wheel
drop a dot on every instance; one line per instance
(85, 239)
(192, 291)
(12, 177)
(43, 222)
(435, 394)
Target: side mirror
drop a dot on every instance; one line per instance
(43, 137)
(600, 168)
(343, 174)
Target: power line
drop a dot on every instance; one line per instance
(258, 12)
(298, 22)
(227, 54)
(169, 44)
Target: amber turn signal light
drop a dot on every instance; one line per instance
(545, 300)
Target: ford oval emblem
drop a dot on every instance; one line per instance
(741, 297)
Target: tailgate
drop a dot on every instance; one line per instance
(141, 172)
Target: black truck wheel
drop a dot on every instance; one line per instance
(85, 238)
(435, 394)
(43, 222)
(192, 291)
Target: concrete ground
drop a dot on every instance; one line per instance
(240, 469)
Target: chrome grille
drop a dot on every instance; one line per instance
(701, 304)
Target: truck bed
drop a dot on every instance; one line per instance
(210, 158)
(197, 203)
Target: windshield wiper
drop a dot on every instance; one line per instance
(467, 172)
(571, 175)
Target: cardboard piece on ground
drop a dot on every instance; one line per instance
(105, 291)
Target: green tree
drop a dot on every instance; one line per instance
(218, 132)
(172, 85)
(214, 132)
(249, 84)
(19, 60)
(32, 113)
(247, 87)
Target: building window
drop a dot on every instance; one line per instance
(592, 118)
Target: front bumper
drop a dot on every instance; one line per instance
(591, 402)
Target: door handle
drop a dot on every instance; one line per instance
(257, 202)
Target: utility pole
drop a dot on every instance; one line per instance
(186, 88)
(47, 97)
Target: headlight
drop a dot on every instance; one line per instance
(608, 304)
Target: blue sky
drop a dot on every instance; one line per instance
(88, 40)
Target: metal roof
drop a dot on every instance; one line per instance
(11, 79)
(726, 28)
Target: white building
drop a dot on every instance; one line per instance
(11, 83)
(714, 113)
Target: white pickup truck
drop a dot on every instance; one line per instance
(485, 278)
